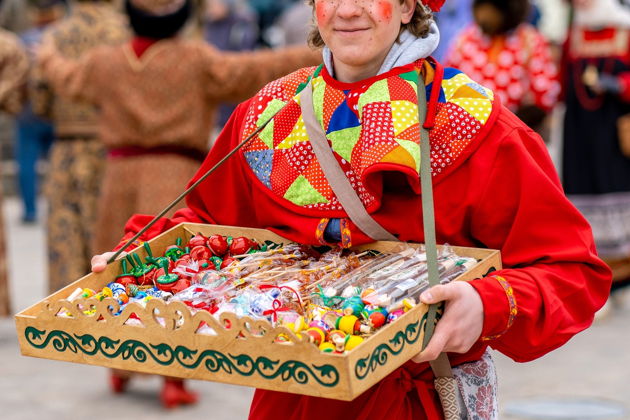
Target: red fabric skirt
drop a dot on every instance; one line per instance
(403, 395)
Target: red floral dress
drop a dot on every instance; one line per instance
(518, 66)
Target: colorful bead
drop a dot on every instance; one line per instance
(353, 341)
(353, 306)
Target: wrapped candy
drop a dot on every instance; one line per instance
(335, 299)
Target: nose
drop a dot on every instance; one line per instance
(350, 8)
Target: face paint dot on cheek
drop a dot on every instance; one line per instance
(384, 10)
(320, 12)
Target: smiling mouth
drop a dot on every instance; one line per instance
(351, 31)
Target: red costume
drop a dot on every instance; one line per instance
(495, 187)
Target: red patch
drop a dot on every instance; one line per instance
(282, 175)
(322, 12)
(384, 10)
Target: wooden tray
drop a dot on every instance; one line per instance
(242, 351)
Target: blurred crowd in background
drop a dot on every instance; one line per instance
(553, 63)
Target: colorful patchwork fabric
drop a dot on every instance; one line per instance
(372, 127)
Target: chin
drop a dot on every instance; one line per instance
(353, 61)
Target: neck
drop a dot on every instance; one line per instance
(350, 74)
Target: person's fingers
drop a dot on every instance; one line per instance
(439, 293)
(99, 262)
(435, 347)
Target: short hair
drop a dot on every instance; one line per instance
(419, 25)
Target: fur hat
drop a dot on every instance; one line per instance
(159, 7)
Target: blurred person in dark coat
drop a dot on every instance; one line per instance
(596, 164)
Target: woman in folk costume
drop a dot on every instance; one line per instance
(509, 56)
(596, 173)
(493, 181)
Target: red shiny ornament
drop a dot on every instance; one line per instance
(167, 287)
(205, 265)
(147, 278)
(197, 240)
(218, 245)
(227, 261)
(126, 280)
(158, 272)
(241, 245)
(434, 5)
(180, 285)
(200, 253)
(184, 260)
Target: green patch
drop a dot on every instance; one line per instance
(343, 141)
(272, 107)
(378, 92)
(411, 76)
(266, 135)
(318, 101)
(302, 193)
(413, 148)
(318, 70)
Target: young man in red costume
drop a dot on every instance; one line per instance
(494, 187)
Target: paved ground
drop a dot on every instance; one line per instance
(594, 365)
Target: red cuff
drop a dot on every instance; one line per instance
(499, 306)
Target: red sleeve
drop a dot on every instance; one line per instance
(553, 281)
(218, 199)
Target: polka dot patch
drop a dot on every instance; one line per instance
(522, 72)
